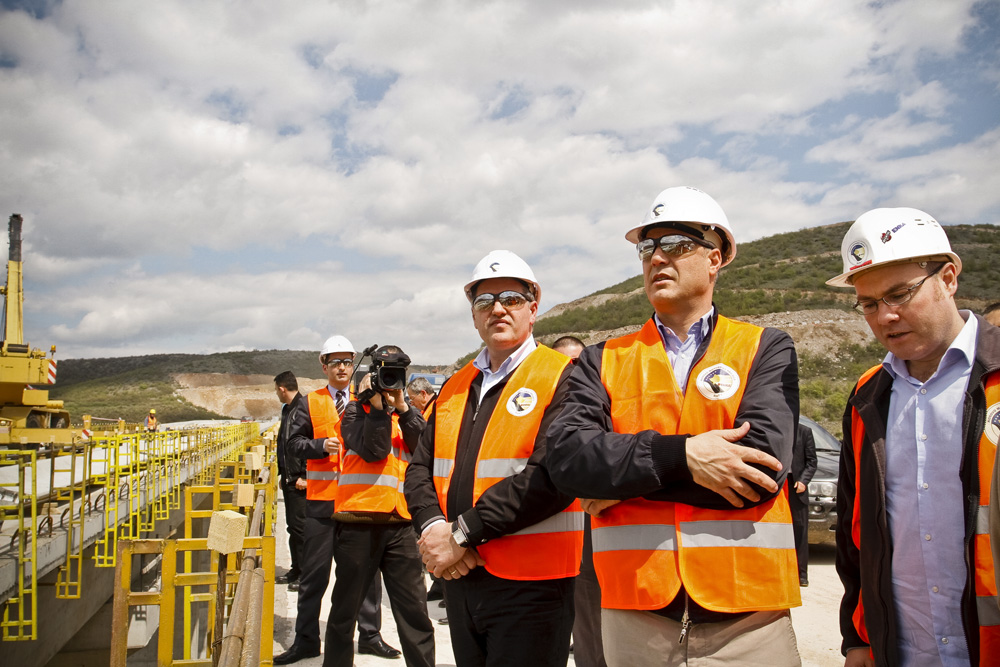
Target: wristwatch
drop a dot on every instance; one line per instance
(461, 539)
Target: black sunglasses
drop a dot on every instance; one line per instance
(509, 299)
(672, 245)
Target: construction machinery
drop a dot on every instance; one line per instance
(27, 416)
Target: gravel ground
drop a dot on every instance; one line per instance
(815, 622)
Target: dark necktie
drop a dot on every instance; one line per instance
(340, 403)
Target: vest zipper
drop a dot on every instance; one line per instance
(685, 621)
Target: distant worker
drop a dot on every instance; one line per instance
(679, 437)
(492, 524)
(292, 470)
(803, 468)
(571, 346)
(314, 434)
(421, 394)
(920, 436)
(373, 522)
(992, 314)
(588, 647)
(150, 421)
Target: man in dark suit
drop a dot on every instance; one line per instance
(803, 469)
(293, 476)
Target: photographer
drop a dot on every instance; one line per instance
(373, 523)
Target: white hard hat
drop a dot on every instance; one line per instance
(503, 264)
(336, 344)
(887, 235)
(694, 211)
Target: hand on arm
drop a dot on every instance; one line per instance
(859, 657)
(595, 507)
(719, 465)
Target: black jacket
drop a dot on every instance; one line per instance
(869, 572)
(803, 457)
(506, 507)
(302, 444)
(290, 467)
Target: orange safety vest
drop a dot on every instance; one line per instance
(375, 487)
(732, 560)
(322, 474)
(551, 548)
(984, 578)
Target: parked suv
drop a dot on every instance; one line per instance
(823, 487)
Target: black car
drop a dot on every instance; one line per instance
(823, 487)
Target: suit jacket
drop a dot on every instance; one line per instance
(290, 467)
(803, 456)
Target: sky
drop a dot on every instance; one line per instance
(202, 176)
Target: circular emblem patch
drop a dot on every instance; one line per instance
(718, 382)
(858, 252)
(992, 427)
(522, 402)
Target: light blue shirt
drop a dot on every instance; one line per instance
(491, 378)
(924, 501)
(681, 355)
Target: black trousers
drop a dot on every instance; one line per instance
(588, 646)
(316, 562)
(798, 503)
(500, 622)
(360, 551)
(295, 516)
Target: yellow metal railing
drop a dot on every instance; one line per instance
(134, 479)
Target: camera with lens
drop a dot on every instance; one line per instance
(387, 369)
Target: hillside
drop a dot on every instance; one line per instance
(777, 281)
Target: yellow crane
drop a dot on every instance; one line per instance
(27, 416)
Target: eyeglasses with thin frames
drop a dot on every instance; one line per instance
(893, 299)
(672, 245)
(338, 362)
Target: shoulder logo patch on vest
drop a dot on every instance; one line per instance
(718, 382)
(522, 402)
(992, 427)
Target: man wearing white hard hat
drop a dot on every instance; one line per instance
(678, 439)
(920, 436)
(314, 435)
(492, 525)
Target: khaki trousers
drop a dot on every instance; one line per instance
(644, 639)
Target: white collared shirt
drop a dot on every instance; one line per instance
(491, 378)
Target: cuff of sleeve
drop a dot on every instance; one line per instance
(432, 522)
(427, 517)
(669, 455)
(473, 526)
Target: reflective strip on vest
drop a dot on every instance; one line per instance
(401, 454)
(563, 522)
(989, 613)
(442, 467)
(644, 537)
(322, 474)
(983, 520)
(369, 479)
(490, 468)
(737, 533)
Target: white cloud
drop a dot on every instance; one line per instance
(138, 139)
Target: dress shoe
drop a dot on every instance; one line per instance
(287, 577)
(294, 654)
(293, 586)
(443, 621)
(379, 648)
(442, 604)
(803, 582)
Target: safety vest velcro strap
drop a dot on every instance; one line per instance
(492, 468)
(641, 537)
(369, 480)
(753, 534)
(442, 467)
(989, 613)
(564, 522)
(322, 474)
(983, 520)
